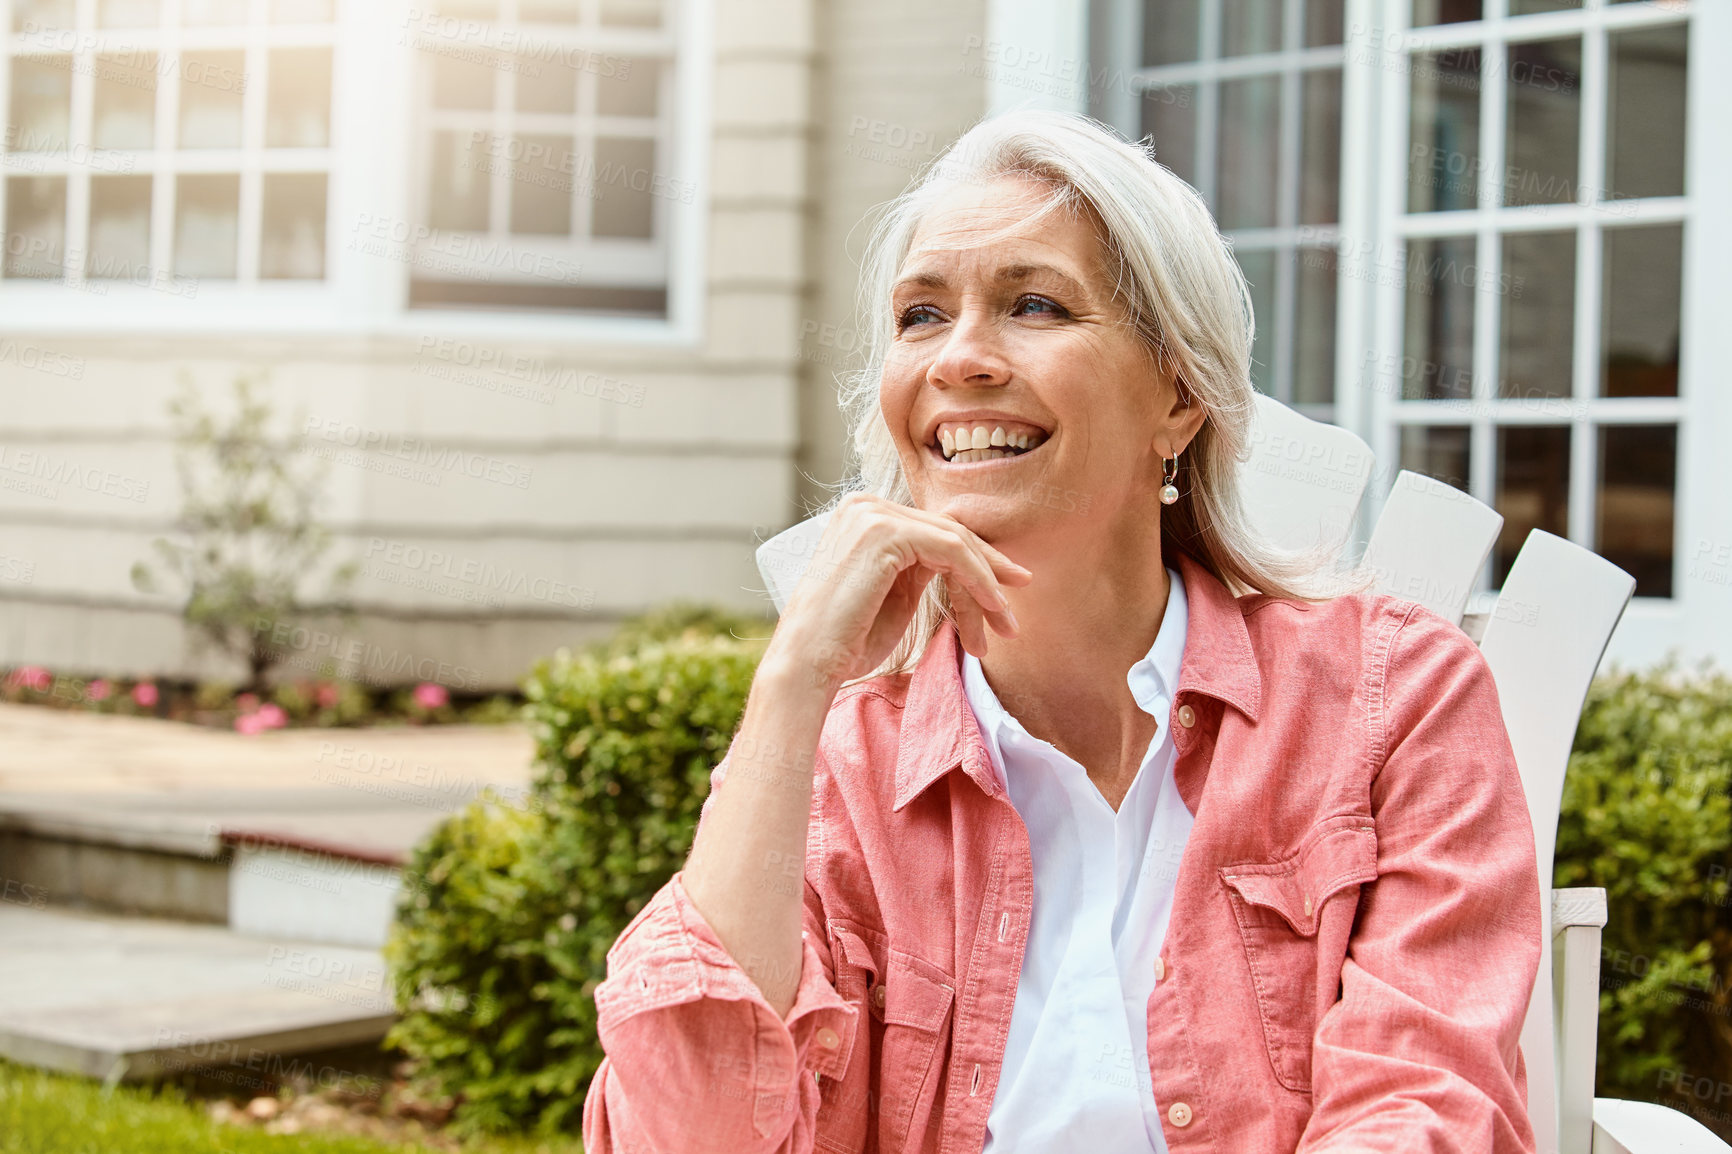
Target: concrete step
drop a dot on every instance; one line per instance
(128, 998)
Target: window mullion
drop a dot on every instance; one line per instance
(252, 206)
(1584, 448)
(1209, 106)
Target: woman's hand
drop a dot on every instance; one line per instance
(865, 581)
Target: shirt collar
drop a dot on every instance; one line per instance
(940, 732)
(1151, 680)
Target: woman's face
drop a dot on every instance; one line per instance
(1004, 318)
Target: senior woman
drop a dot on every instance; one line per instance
(1065, 815)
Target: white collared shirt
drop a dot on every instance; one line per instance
(1076, 1068)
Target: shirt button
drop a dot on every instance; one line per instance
(1179, 1115)
(1160, 968)
(828, 1038)
(1187, 716)
(878, 995)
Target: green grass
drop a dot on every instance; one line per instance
(52, 1114)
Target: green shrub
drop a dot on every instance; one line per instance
(503, 934)
(1647, 814)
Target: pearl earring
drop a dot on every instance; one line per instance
(1169, 474)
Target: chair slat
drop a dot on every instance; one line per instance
(1430, 542)
(1543, 642)
(1303, 482)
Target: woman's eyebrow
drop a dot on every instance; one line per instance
(1022, 272)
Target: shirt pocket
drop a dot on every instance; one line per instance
(1295, 917)
(886, 1098)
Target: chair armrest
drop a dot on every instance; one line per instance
(1577, 915)
(1644, 1128)
(1584, 906)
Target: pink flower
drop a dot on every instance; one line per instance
(326, 695)
(32, 677)
(144, 694)
(98, 690)
(247, 702)
(271, 716)
(431, 696)
(250, 724)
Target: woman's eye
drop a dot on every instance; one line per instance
(919, 314)
(1039, 307)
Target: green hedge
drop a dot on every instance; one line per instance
(508, 914)
(1647, 814)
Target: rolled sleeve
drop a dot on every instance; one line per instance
(697, 1060)
(1421, 1051)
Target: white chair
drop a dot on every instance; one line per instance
(1543, 640)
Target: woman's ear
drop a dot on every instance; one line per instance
(1180, 420)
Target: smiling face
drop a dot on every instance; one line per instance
(1005, 319)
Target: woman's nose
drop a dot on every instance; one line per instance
(970, 357)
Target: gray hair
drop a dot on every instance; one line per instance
(1181, 289)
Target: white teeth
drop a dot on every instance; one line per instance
(982, 439)
(998, 436)
(1020, 440)
(949, 442)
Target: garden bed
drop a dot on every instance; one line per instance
(304, 703)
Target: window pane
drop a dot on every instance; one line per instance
(631, 13)
(41, 101)
(1323, 22)
(300, 11)
(1645, 112)
(1539, 314)
(1246, 185)
(458, 198)
(1314, 336)
(292, 232)
(298, 111)
(1443, 160)
(1170, 116)
(630, 91)
(549, 11)
(1259, 269)
(1533, 488)
(1526, 7)
(1438, 451)
(1438, 343)
(125, 89)
(1320, 153)
(1445, 11)
(1544, 123)
(541, 179)
(1170, 31)
(464, 83)
(1640, 303)
(119, 227)
(1634, 511)
(41, 15)
(35, 225)
(211, 87)
(1249, 26)
(548, 85)
(207, 225)
(624, 176)
(213, 11)
(127, 14)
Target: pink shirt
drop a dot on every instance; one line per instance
(1354, 933)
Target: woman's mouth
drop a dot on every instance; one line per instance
(965, 442)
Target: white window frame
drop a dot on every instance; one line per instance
(1584, 412)
(372, 165)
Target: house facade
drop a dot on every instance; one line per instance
(557, 290)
